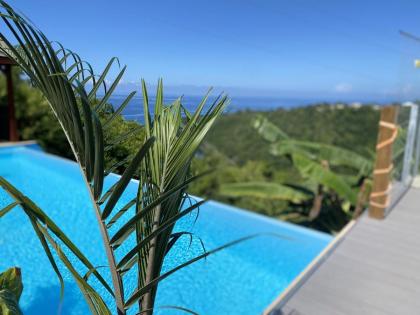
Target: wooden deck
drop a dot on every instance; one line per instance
(375, 269)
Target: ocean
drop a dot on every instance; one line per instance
(134, 110)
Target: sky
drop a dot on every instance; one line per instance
(324, 49)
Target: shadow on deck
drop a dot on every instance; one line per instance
(374, 270)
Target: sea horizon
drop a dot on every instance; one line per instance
(134, 110)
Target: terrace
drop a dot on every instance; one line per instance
(368, 267)
(372, 265)
(373, 270)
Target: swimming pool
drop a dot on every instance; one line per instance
(240, 280)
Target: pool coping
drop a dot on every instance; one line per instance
(305, 274)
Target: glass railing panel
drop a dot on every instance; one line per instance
(405, 151)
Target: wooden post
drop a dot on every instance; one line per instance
(387, 133)
(13, 134)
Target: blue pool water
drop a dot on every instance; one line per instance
(240, 280)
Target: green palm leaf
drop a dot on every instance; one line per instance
(309, 157)
(264, 190)
(314, 171)
(165, 173)
(35, 214)
(268, 130)
(335, 156)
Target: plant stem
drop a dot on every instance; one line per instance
(149, 296)
(361, 200)
(317, 205)
(116, 278)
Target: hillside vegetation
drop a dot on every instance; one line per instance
(233, 148)
(347, 127)
(241, 155)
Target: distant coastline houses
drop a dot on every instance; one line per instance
(339, 106)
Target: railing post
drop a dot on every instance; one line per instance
(379, 199)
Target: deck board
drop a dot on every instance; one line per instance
(374, 270)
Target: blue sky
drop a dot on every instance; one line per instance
(349, 50)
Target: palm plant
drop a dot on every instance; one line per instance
(145, 224)
(328, 172)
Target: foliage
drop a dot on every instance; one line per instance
(250, 158)
(350, 128)
(34, 117)
(36, 121)
(264, 190)
(331, 190)
(167, 165)
(233, 161)
(226, 171)
(246, 163)
(163, 159)
(10, 291)
(118, 155)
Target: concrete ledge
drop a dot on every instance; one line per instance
(18, 143)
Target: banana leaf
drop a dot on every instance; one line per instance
(264, 190)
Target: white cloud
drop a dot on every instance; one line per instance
(343, 88)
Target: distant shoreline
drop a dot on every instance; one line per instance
(134, 110)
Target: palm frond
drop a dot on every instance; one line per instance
(35, 215)
(142, 292)
(165, 172)
(318, 173)
(335, 156)
(264, 190)
(268, 130)
(309, 157)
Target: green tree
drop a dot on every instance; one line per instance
(331, 179)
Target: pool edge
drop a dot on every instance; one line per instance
(26, 143)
